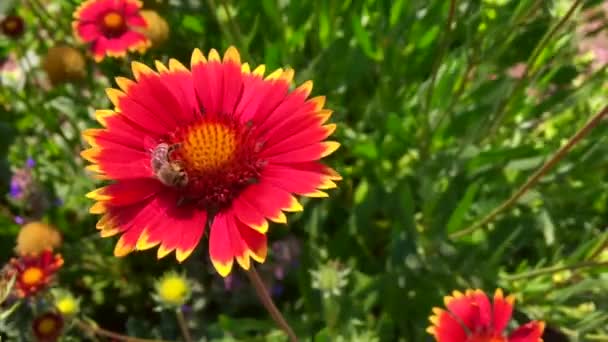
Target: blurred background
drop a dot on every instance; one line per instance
(444, 109)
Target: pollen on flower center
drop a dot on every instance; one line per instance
(11, 25)
(113, 21)
(32, 276)
(209, 146)
(219, 155)
(47, 326)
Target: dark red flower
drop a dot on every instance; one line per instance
(47, 327)
(34, 272)
(12, 26)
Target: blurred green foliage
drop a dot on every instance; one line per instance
(437, 129)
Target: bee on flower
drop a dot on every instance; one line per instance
(218, 148)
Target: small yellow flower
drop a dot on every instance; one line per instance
(172, 289)
(36, 237)
(66, 303)
(157, 29)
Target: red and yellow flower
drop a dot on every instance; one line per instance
(111, 27)
(219, 145)
(470, 317)
(47, 327)
(34, 272)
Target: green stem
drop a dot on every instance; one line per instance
(554, 269)
(182, 325)
(234, 27)
(530, 64)
(266, 300)
(534, 178)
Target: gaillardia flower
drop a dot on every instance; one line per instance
(218, 145)
(111, 27)
(472, 318)
(47, 327)
(34, 273)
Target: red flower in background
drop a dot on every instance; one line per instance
(47, 327)
(219, 145)
(34, 272)
(472, 318)
(12, 26)
(111, 27)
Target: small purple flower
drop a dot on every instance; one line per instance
(231, 282)
(15, 189)
(30, 163)
(19, 220)
(277, 290)
(20, 182)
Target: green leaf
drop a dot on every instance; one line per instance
(459, 214)
(193, 23)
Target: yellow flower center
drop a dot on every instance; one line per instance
(113, 20)
(10, 25)
(218, 157)
(173, 290)
(47, 326)
(208, 146)
(32, 275)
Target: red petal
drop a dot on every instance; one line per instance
(249, 215)
(485, 309)
(293, 180)
(530, 332)
(129, 7)
(255, 242)
(312, 152)
(502, 310)
(127, 192)
(149, 101)
(232, 89)
(446, 328)
(92, 10)
(209, 86)
(275, 95)
(470, 308)
(191, 235)
(303, 138)
(292, 104)
(268, 199)
(87, 31)
(181, 85)
(254, 91)
(220, 246)
(240, 250)
(99, 47)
